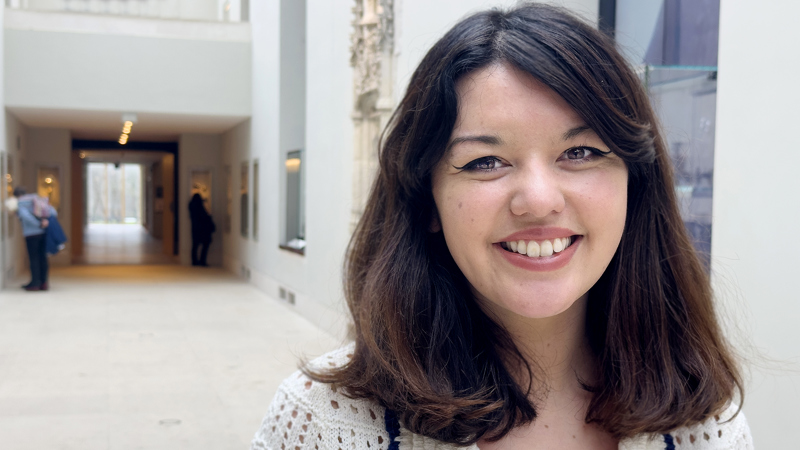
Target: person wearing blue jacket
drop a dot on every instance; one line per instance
(33, 228)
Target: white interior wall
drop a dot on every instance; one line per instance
(292, 101)
(756, 207)
(315, 278)
(51, 147)
(200, 152)
(93, 67)
(329, 155)
(167, 9)
(234, 14)
(196, 9)
(235, 146)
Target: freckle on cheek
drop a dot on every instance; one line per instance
(460, 205)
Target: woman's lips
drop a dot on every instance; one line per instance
(539, 234)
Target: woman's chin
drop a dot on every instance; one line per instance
(527, 308)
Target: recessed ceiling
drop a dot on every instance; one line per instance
(107, 125)
(146, 157)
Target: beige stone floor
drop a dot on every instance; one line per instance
(121, 244)
(144, 357)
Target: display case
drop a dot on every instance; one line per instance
(674, 43)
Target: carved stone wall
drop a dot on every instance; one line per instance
(372, 46)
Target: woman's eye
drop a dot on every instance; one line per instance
(578, 153)
(485, 164)
(582, 154)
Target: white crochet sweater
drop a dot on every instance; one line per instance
(306, 414)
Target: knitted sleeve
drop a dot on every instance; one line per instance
(310, 415)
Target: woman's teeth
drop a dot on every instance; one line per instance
(536, 249)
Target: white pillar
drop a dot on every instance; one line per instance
(756, 207)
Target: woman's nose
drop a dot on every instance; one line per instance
(537, 192)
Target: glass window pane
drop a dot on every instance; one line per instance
(133, 197)
(114, 193)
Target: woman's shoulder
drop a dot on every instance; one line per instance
(308, 413)
(727, 430)
(299, 387)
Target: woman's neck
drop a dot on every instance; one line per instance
(555, 347)
(559, 355)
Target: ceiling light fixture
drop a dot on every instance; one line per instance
(128, 119)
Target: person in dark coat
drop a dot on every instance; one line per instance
(202, 228)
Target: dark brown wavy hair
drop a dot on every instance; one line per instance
(425, 350)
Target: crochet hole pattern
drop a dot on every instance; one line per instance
(701, 440)
(305, 415)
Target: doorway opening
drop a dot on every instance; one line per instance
(126, 200)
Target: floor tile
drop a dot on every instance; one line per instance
(144, 357)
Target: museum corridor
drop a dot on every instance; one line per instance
(151, 357)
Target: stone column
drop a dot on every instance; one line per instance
(371, 57)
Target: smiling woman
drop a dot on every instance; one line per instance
(521, 277)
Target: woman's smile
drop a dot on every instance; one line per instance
(540, 249)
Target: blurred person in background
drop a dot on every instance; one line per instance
(34, 213)
(202, 229)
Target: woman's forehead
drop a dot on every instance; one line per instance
(501, 98)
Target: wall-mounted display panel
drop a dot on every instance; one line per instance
(244, 199)
(255, 199)
(3, 196)
(228, 199)
(48, 185)
(294, 215)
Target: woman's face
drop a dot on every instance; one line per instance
(531, 210)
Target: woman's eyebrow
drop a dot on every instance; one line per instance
(484, 139)
(574, 132)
